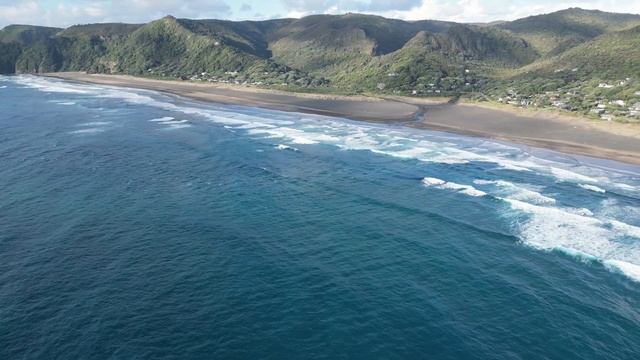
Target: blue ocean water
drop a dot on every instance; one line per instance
(139, 225)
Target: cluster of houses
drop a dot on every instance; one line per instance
(605, 108)
(431, 90)
(265, 78)
(616, 108)
(228, 78)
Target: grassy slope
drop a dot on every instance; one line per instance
(552, 34)
(26, 34)
(355, 52)
(168, 46)
(610, 56)
(247, 36)
(107, 30)
(454, 60)
(321, 43)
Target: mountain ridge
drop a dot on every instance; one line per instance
(564, 50)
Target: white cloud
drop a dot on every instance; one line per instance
(315, 6)
(455, 10)
(69, 12)
(64, 13)
(485, 11)
(16, 13)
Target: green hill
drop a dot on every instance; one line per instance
(169, 47)
(248, 36)
(609, 56)
(551, 34)
(529, 61)
(320, 42)
(108, 30)
(456, 60)
(26, 34)
(352, 50)
(186, 48)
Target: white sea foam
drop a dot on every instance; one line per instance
(3, 87)
(176, 126)
(517, 192)
(624, 228)
(286, 147)
(47, 85)
(613, 209)
(173, 122)
(627, 187)
(429, 181)
(445, 185)
(294, 135)
(592, 188)
(574, 231)
(88, 131)
(582, 256)
(626, 268)
(254, 126)
(166, 118)
(568, 175)
(95, 123)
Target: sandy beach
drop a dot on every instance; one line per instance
(620, 142)
(352, 107)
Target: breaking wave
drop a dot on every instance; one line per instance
(447, 185)
(585, 228)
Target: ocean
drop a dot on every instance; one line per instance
(138, 225)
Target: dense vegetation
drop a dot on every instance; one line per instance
(581, 60)
(554, 33)
(26, 34)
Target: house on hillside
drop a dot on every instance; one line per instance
(561, 105)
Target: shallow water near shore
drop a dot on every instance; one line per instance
(139, 225)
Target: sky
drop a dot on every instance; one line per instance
(63, 13)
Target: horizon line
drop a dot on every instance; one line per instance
(320, 14)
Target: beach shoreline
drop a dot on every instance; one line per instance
(543, 129)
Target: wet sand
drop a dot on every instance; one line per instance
(352, 107)
(620, 142)
(569, 135)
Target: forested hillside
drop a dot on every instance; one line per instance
(578, 60)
